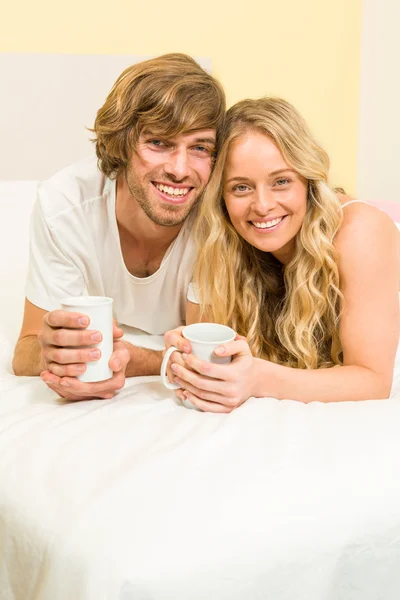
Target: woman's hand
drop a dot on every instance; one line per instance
(217, 388)
(174, 337)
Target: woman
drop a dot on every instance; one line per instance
(307, 283)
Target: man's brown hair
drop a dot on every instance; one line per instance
(168, 95)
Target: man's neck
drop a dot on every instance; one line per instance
(143, 242)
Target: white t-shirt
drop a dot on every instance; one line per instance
(75, 249)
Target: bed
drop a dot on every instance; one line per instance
(138, 498)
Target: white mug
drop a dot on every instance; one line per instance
(204, 338)
(99, 311)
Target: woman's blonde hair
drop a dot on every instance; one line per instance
(289, 313)
(168, 95)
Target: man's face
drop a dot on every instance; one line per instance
(167, 176)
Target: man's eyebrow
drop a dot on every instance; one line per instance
(205, 140)
(198, 140)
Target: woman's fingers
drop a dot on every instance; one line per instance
(175, 358)
(239, 347)
(210, 396)
(201, 382)
(206, 406)
(208, 369)
(174, 338)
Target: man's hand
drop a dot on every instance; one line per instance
(62, 361)
(73, 389)
(63, 340)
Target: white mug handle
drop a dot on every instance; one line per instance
(164, 378)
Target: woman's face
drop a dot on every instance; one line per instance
(266, 200)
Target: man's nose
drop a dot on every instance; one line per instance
(178, 164)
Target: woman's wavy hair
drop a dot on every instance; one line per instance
(289, 313)
(168, 95)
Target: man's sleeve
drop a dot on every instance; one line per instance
(52, 275)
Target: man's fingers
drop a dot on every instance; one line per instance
(70, 370)
(70, 337)
(49, 378)
(119, 359)
(68, 395)
(73, 389)
(65, 356)
(117, 331)
(63, 394)
(96, 389)
(64, 318)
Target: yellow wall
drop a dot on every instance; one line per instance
(305, 51)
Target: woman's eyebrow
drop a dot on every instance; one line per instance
(238, 179)
(272, 174)
(279, 171)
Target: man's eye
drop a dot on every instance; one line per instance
(202, 149)
(157, 143)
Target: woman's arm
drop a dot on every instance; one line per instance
(368, 247)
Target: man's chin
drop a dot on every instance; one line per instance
(169, 220)
(174, 215)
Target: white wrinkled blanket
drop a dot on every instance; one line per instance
(138, 498)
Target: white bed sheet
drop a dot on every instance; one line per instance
(138, 498)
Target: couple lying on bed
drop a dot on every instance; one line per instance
(306, 281)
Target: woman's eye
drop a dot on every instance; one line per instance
(241, 188)
(281, 182)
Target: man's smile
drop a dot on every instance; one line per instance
(176, 193)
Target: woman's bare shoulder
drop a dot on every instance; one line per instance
(365, 224)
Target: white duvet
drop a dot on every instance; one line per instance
(139, 498)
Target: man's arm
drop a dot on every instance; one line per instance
(143, 361)
(43, 348)
(27, 358)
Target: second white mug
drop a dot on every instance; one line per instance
(204, 338)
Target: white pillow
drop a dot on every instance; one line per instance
(16, 203)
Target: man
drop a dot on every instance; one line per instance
(120, 226)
